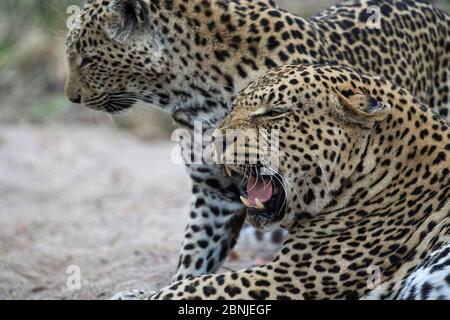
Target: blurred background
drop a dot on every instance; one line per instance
(80, 188)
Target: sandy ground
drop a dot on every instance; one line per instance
(90, 197)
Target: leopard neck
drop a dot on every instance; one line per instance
(396, 205)
(406, 156)
(219, 47)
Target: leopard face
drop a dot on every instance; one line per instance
(115, 57)
(320, 135)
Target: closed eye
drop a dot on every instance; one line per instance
(275, 112)
(272, 113)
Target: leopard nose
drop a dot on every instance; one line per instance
(76, 99)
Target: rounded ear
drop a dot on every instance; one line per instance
(360, 109)
(126, 19)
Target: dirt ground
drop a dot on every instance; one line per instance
(90, 197)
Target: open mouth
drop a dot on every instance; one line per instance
(265, 197)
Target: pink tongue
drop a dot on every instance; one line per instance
(259, 188)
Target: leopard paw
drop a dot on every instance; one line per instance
(133, 295)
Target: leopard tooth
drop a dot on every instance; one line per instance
(214, 154)
(228, 171)
(259, 204)
(245, 202)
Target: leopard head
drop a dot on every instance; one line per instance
(296, 136)
(116, 56)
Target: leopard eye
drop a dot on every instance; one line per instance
(275, 112)
(270, 113)
(86, 61)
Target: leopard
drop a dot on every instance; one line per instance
(192, 57)
(360, 180)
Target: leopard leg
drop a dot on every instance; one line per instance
(133, 295)
(251, 284)
(214, 225)
(210, 235)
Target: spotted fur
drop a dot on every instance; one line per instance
(367, 167)
(191, 57)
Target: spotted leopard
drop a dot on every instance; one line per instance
(364, 169)
(192, 57)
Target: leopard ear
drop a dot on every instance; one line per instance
(126, 19)
(360, 109)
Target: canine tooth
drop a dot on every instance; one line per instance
(228, 171)
(214, 152)
(259, 204)
(245, 202)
